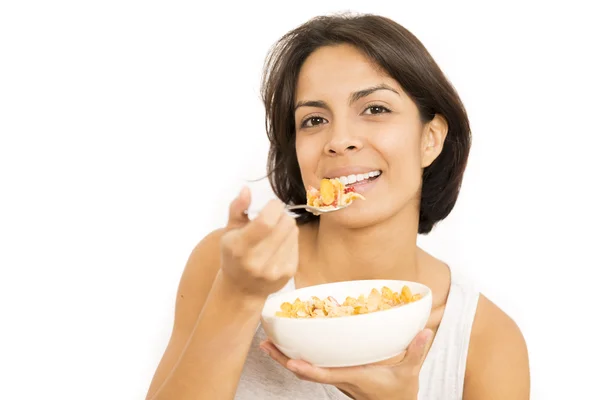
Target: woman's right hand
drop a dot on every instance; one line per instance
(259, 257)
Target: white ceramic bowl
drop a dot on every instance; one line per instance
(351, 340)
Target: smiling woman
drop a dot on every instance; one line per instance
(382, 74)
(359, 101)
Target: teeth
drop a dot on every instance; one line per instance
(350, 179)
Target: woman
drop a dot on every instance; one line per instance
(356, 97)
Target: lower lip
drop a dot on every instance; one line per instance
(363, 186)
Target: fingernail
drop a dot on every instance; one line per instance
(293, 368)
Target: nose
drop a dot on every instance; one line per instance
(342, 141)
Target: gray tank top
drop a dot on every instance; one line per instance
(441, 377)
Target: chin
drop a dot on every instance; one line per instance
(364, 213)
(357, 217)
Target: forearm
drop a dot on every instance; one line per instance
(211, 363)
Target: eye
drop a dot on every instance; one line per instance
(311, 122)
(376, 109)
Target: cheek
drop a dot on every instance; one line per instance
(401, 151)
(308, 154)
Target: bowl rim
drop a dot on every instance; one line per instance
(427, 294)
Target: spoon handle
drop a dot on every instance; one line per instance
(312, 209)
(299, 207)
(253, 213)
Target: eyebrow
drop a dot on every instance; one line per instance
(352, 99)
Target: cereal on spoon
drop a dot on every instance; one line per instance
(331, 194)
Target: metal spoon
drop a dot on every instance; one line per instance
(314, 210)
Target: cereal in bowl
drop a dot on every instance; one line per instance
(330, 308)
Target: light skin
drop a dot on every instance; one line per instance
(349, 113)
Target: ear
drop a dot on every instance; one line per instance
(432, 140)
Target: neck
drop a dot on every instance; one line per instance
(386, 250)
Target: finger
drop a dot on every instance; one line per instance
(274, 353)
(259, 228)
(329, 376)
(278, 234)
(237, 208)
(396, 360)
(418, 348)
(289, 364)
(309, 372)
(285, 259)
(269, 251)
(277, 356)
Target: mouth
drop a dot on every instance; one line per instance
(360, 183)
(358, 179)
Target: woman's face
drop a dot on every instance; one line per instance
(352, 122)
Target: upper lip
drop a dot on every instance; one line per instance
(345, 171)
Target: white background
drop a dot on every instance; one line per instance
(127, 126)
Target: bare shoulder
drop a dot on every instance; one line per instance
(498, 360)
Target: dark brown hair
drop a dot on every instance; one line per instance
(402, 56)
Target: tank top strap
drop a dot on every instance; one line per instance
(443, 372)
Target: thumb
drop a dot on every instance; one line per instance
(418, 348)
(237, 209)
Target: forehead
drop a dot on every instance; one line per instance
(333, 71)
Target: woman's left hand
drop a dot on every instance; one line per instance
(396, 378)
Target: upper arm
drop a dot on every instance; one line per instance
(196, 281)
(195, 284)
(498, 361)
